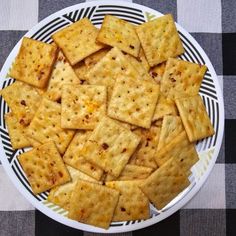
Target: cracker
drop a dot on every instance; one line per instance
(78, 40)
(23, 100)
(181, 78)
(16, 131)
(110, 146)
(164, 107)
(195, 118)
(98, 208)
(144, 154)
(74, 155)
(132, 172)
(46, 125)
(62, 74)
(44, 167)
(60, 195)
(183, 152)
(119, 33)
(171, 127)
(112, 65)
(82, 106)
(93, 59)
(157, 72)
(132, 203)
(133, 101)
(34, 62)
(160, 40)
(164, 184)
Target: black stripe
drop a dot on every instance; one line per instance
(13, 168)
(7, 144)
(3, 131)
(91, 12)
(5, 138)
(203, 62)
(97, 23)
(208, 94)
(210, 115)
(1, 118)
(86, 12)
(80, 13)
(208, 79)
(45, 27)
(53, 30)
(97, 19)
(208, 73)
(121, 7)
(112, 10)
(70, 14)
(7, 149)
(207, 89)
(208, 84)
(46, 30)
(116, 224)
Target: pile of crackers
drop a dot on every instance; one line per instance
(112, 116)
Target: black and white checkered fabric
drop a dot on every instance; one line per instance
(213, 210)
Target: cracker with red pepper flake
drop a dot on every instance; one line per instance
(110, 146)
(73, 156)
(23, 100)
(119, 33)
(34, 62)
(132, 204)
(93, 204)
(16, 132)
(44, 167)
(181, 78)
(82, 106)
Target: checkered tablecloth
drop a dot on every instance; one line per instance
(213, 210)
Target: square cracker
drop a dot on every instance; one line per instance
(160, 40)
(164, 184)
(23, 100)
(46, 125)
(112, 65)
(93, 204)
(74, 156)
(183, 152)
(62, 74)
(82, 106)
(144, 154)
(60, 195)
(181, 78)
(133, 101)
(132, 172)
(34, 62)
(16, 131)
(195, 118)
(132, 203)
(110, 146)
(164, 107)
(78, 40)
(44, 167)
(171, 127)
(119, 33)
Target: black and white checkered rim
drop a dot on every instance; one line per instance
(210, 91)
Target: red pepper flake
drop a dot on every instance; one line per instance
(131, 46)
(124, 150)
(22, 102)
(105, 146)
(154, 74)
